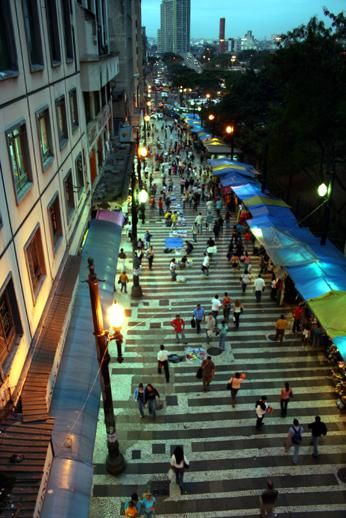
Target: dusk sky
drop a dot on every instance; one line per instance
(263, 17)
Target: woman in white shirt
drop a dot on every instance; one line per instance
(178, 464)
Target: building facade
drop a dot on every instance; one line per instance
(222, 41)
(55, 121)
(174, 33)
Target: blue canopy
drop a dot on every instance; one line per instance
(247, 191)
(271, 215)
(233, 179)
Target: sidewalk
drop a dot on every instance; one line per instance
(229, 461)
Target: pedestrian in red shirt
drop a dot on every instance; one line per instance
(297, 315)
(179, 325)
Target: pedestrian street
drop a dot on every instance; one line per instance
(229, 460)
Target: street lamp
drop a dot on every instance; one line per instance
(230, 132)
(146, 122)
(115, 463)
(326, 191)
(142, 198)
(212, 119)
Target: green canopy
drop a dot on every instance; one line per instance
(264, 200)
(330, 309)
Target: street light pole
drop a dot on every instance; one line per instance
(115, 463)
(230, 133)
(327, 210)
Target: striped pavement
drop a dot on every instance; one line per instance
(230, 461)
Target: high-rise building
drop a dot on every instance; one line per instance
(174, 33)
(222, 43)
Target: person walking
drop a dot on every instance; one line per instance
(285, 395)
(234, 384)
(237, 310)
(162, 362)
(150, 256)
(150, 395)
(178, 325)
(148, 505)
(226, 306)
(139, 397)
(199, 222)
(122, 256)
(259, 287)
(178, 464)
(317, 428)
(297, 318)
(245, 281)
(294, 439)
(199, 316)
(268, 500)
(223, 330)
(194, 232)
(261, 410)
(132, 507)
(205, 264)
(211, 326)
(280, 326)
(173, 269)
(208, 372)
(216, 304)
(123, 280)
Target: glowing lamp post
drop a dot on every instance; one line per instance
(326, 191)
(230, 132)
(212, 120)
(115, 463)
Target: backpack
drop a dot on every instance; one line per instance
(296, 437)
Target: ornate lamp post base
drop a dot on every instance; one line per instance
(115, 465)
(136, 292)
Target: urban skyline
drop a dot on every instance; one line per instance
(275, 16)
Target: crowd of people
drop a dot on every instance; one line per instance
(177, 166)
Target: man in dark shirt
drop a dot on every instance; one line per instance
(317, 428)
(268, 500)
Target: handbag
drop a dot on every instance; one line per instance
(199, 373)
(193, 323)
(171, 475)
(159, 404)
(228, 386)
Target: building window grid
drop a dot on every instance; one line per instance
(35, 260)
(55, 221)
(45, 137)
(33, 34)
(61, 120)
(18, 149)
(74, 109)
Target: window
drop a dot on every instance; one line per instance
(45, 137)
(80, 174)
(97, 102)
(87, 106)
(35, 260)
(62, 123)
(53, 32)
(66, 13)
(55, 220)
(10, 325)
(8, 55)
(74, 109)
(18, 149)
(69, 195)
(33, 33)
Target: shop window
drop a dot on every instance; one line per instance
(8, 55)
(74, 109)
(66, 13)
(45, 137)
(18, 150)
(33, 33)
(55, 221)
(10, 325)
(35, 261)
(62, 122)
(80, 174)
(53, 32)
(69, 195)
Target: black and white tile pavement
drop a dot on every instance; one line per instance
(229, 460)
